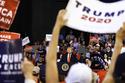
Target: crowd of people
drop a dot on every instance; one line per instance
(79, 63)
(71, 49)
(100, 48)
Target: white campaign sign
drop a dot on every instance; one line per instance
(95, 16)
(48, 37)
(25, 41)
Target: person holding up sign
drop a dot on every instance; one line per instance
(111, 76)
(79, 73)
(85, 75)
(27, 69)
(30, 71)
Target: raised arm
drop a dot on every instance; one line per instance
(27, 69)
(51, 65)
(120, 35)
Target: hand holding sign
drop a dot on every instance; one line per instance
(60, 21)
(120, 35)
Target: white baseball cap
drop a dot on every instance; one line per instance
(79, 73)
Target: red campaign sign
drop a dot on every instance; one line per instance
(8, 10)
(4, 36)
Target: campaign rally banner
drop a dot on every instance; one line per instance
(8, 10)
(10, 62)
(95, 16)
(5, 36)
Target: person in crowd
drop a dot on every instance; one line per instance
(75, 44)
(82, 49)
(119, 70)
(81, 37)
(102, 38)
(96, 58)
(69, 57)
(70, 36)
(115, 74)
(40, 56)
(108, 51)
(87, 55)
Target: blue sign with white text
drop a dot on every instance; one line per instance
(10, 62)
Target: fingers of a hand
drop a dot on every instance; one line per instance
(62, 12)
(123, 26)
(65, 21)
(120, 29)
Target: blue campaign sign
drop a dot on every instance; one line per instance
(10, 62)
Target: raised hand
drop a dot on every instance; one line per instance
(60, 21)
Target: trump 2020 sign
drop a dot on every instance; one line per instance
(95, 16)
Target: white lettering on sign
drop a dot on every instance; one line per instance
(5, 36)
(12, 66)
(95, 16)
(99, 13)
(11, 58)
(2, 2)
(11, 61)
(5, 12)
(3, 39)
(5, 20)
